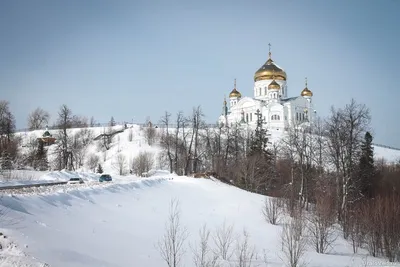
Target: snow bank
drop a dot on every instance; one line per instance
(119, 225)
(12, 255)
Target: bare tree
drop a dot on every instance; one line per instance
(198, 123)
(7, 125)
(171, 245)
(202, 254)
(143, 163)
(320, 223)
(76, 150)
(294, 242)
(273, 209)
(150, 135)
(167, 140)
(79, 122)
(38, 119)
(345, 130)
(356, 230)
(180, 125)
(32, 145)
(120, 163)
(297, 144)
(245, 254)
(64, 122)
(105, 139)
(223, 240)
(130, 135)
(390, 226)
(92, 162)
(92, 122)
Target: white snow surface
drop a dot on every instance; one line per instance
(119, 225)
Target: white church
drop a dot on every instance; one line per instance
(271, 99)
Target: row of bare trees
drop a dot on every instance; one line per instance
(182, 145)
(71, 149)
(326, 167)
(221, 248)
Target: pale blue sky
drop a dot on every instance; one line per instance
(133, 59)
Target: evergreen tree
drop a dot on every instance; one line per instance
(99, 169)
(42, 163)
(259, 140)
(112, 121)
(366, 167)
(6, 162)
(259, 161)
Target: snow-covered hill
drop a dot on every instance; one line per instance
(129, 141)
(120, 225)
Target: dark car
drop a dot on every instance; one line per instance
(105, 178)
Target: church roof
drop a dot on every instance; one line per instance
(270, 70)
(289, 99)
(235, 92)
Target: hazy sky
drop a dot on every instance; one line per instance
(133, 59)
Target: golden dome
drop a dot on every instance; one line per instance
(270, 70)
(306, 92)
(274, 85)
(234, 92)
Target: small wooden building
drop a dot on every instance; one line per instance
(47, 138)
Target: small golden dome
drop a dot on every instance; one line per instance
(306, 92)
(270, 70)
(274, 85)
(234, 92)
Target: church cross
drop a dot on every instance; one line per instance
(269, 50)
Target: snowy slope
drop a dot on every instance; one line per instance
(121, 144)
(129, 143)
(119, 225)
(389, 155)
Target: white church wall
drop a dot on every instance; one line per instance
(263, 85)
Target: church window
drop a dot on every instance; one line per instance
(283, 90)
(265, 90)
(247, 117)
(297, 116)
(251, 116)
(275, 117)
